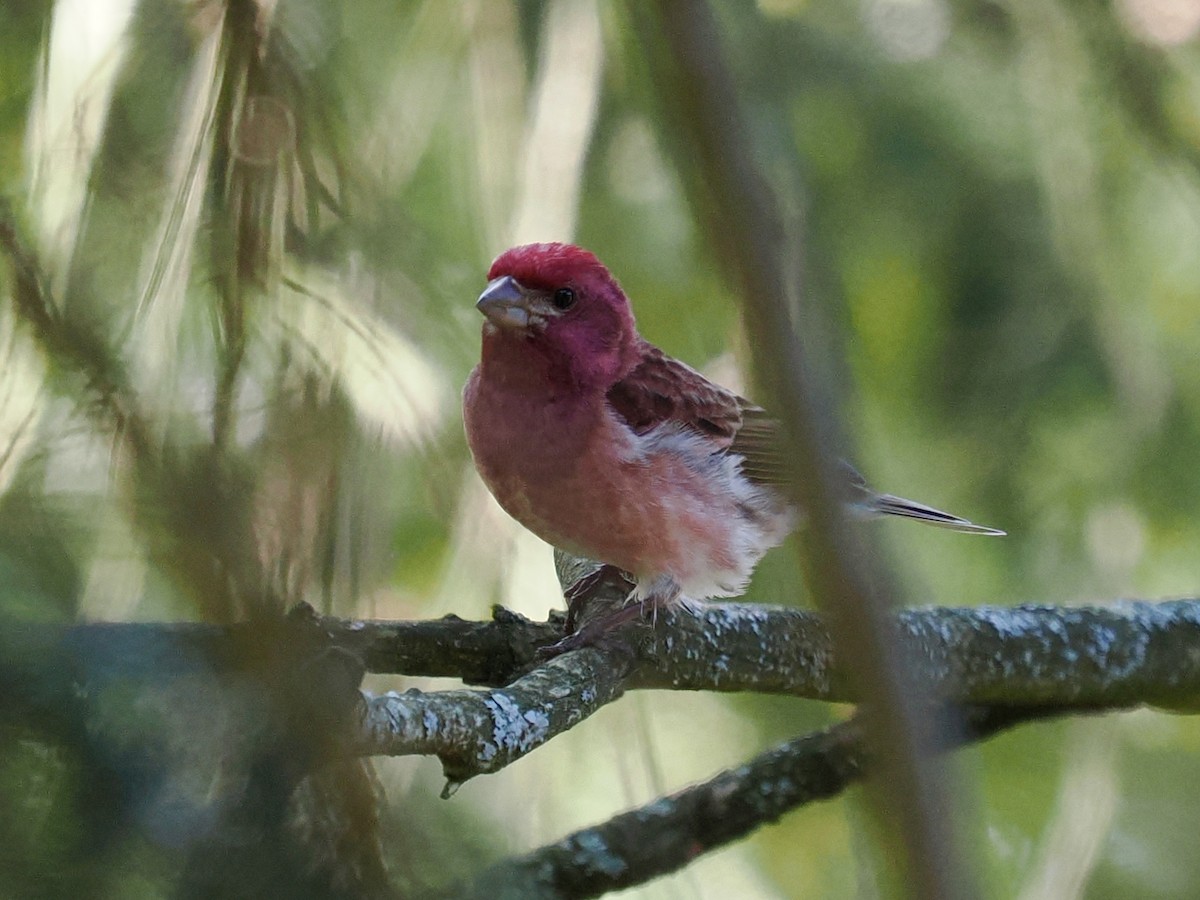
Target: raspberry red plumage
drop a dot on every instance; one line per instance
(603, 445)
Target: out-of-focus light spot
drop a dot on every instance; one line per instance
(76, 77)
(566, 98)
(1116, 537)
(635, 168)
(908, 30)
(20, 393)
(638, 176)
(724, 370)
(390, 381)
(1166, 22)
(1083, 816)
(781, 8)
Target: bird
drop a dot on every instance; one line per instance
(605, 447)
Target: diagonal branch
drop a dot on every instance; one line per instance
(480, 732)
(189, 506)
(669, 833)
(72, 347)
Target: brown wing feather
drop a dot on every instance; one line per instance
(758, 441)
(661, 389)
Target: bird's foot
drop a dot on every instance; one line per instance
(599, 588)
(601, 632)
(601, 628)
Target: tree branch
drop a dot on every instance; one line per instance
(480, 732)
(1026, 663)
(1122, 655)
(1131, 652)
(1026, 658)
(669, 833)
(1128, 653)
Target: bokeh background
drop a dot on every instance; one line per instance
(277, 216)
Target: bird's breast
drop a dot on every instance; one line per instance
(525, 447)
(579, 478)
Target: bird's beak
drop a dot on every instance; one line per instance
(505, 303)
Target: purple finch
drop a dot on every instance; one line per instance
(601, 444)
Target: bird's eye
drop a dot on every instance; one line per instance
(564, 298)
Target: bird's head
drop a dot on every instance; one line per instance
(557, 303)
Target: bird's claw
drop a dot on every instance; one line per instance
(581, 594)
(604, 632)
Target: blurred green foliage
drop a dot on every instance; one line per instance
(995, 205)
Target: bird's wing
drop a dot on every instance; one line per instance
(661, 389)
(758, 441)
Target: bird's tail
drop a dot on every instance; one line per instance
(888, 505)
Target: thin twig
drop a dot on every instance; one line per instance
(72, 349)
(702, 107)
